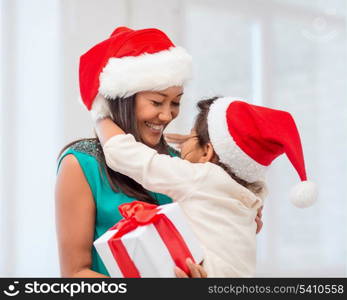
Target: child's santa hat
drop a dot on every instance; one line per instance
(130, 61)
(247, 138)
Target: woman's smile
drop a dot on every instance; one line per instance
(155, 128)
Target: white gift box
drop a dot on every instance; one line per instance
(146, 249)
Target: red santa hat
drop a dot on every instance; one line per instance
(130, 61)
(247, 138)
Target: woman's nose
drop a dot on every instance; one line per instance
(165, 115)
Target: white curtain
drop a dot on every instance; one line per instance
(287, 54)
(30, 117)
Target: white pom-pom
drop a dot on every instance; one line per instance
(100, 108)
(304, 194)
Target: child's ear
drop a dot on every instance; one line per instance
(208, 153)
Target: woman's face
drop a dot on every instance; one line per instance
(154, 110)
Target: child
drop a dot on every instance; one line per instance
(219, 182)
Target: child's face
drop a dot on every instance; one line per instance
(191, 150)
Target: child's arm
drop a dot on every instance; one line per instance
(106, 128)
(156, 172)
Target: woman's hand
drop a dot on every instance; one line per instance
(258, 219)
(196, 271)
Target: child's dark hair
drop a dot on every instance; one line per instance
(201, 129)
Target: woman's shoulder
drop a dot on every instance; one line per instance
(90, 147)
(86, 156)
(173, 152)
(87, 152)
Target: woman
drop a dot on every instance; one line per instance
(141, 73)
(137, 77)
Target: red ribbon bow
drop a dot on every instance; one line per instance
(138, 213)
(135, 214)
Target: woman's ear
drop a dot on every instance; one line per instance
(207, 154)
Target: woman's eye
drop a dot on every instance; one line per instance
(156, 103)
(177, 104)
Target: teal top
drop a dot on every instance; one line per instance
(89, 153)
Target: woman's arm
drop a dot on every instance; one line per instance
(75, 217)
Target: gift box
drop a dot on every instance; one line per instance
(148, 242)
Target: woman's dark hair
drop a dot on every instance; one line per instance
(201, 129)
(123, 113)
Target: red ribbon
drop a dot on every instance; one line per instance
(138, 213)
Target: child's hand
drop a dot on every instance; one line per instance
(196, 271)
(105, 129)
(258, 219)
